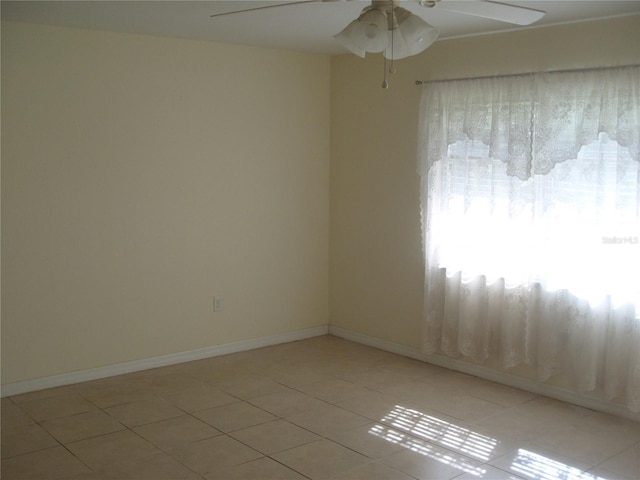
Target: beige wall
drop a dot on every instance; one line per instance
(376, 275)
(140, 177)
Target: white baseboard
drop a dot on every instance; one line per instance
(504, 378)
(26, 386)
(411, 352)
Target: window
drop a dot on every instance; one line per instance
(531, 207)
(569, 229)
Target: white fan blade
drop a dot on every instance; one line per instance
(263, 7)
(288, 3)
(493, 10)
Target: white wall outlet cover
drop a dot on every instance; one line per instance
(218, 304)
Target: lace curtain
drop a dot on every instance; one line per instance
(531, 221)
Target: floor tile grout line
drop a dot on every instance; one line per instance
(321, 437)
(326, 400)
(628, 447)
(374, 420)
(227, 433)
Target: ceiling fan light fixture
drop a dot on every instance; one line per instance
(373, 30)
(412, 36)
(347, 39)
(370, 33)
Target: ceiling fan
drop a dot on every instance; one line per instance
(481, 8)
(384, 26)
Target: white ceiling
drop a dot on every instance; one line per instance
(308, 27)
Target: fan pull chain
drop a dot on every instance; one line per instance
(385, 84)
(392, 68)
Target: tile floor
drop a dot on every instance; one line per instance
(323, 408)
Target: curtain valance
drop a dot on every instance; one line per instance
(532, 122)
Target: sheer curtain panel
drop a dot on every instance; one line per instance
(530, 192)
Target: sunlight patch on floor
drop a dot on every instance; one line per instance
(426, 434)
